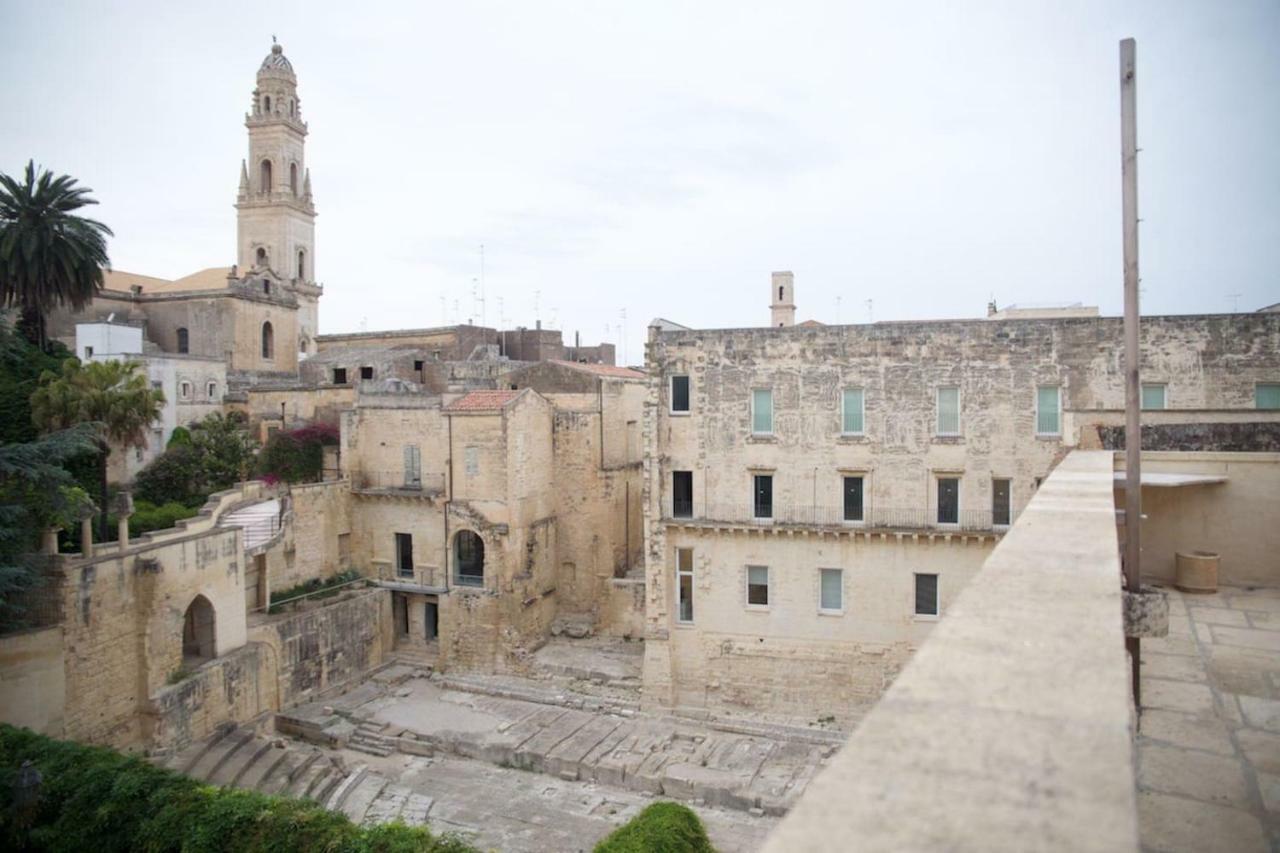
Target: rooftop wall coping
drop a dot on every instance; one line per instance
(1010, 729)
(1261, 457)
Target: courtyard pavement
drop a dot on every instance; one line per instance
(1209, 733)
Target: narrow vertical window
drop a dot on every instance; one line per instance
(679, 393)
(264, 176)
(268, 341)
(851, 411)
(404, 555)
(184, 341)
(949, 411)
(831, 590)
(1000, 502)
(1153, 396)
(1266, 395)
(302, 264)
(1048, 410)
(682, 494)
(762, 412)
(758, 586)
(412, 467)
(293, 178)
(926, 595)
(948, 500)
(762, 505)
(853, 499)
(684, 584)
(212, 389)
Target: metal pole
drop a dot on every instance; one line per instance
(1133, 407)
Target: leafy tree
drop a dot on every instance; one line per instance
(36, 492)
(50, 256)
(297, 456)
(21, 364)
(180, 435)
(110, 393)
(217, 454)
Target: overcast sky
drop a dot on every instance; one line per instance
(904, 160)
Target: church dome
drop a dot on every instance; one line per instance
(276, 64)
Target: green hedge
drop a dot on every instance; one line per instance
(316, 588)
(97, 799)
(660, 828)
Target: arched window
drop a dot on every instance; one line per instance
(199, 638)
(262, 257)
(212, 390)
(293, 178)
(183, 344)
(291, 107)
(265, 176)
(780, 292)
(266, 103)
(468, 558)
(184, 390)
(302, 264)
(268, 341)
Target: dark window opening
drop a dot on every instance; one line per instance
(339, 376)
(266, 103)
(431, 615)
(679, 393)
(366, 373)
(926, 595)
(404, 555)
(763, 495)
(780, 290)
(948, 500)
(302, 264)
(758, 585)
(468, 558)
(261, 257)
(853, 499)
(682, 494)
(266, 286)
(293, 178)
(417, 364)
(183, 341)
(199, 631)
(264, 175)
(268, 341)
(1000, 502)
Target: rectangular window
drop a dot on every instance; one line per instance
(684, 584)
(926, 595)
(851, 412)
(404, 555)
(1266, 395)
(948, 500)
(682, 494)
(339, 376)
(758, 586)
(412, 467)
(1000, 502)
(1153, 396)
(762, 505)
(417, 364)
(948, 411)
(366, 373)
(1048, 410)
(831, 590)
(679, 393)
(762, 412)
(853, 499)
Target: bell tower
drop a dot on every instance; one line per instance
(275, 212)
(782, 299)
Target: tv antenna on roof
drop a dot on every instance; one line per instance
(1235, 302)
(870, 315)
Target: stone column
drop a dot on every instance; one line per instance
(123, 506)
(86, 537)
(49, 541)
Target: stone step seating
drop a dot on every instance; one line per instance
(238, 757)
(416, 657)
(368, 738)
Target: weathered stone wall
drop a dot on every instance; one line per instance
(321, 517)
(33, 680)
(622, 610)
(1210, 437)
(235, 687)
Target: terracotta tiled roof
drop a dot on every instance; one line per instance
(600, 369)
(482, 401)
(213, 278)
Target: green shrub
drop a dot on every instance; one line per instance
(660, 828)
(92, 798)
(296, 456)
(180, 435)
(208, 456)
(316, 587)
(148, 517)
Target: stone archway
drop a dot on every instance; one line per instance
(199, 632)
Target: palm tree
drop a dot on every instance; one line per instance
(110, 393)
(50, 257)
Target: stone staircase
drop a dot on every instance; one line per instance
(241, 758)
(368, 738)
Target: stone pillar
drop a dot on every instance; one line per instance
(123, 506)
(86, 537)
(49, 541)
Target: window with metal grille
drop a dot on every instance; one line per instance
(339, 376)
(404, 555)
(853, 499)
(851, 405)
(762, 412)
(948, 411)
(1049, 410)
(679, 393)
(762, 505)
(926, 595)
(831, 590)
(366, 373)
(948, 500)
(758, 586)
(684, 584)
(1000, 502)
(681, 494)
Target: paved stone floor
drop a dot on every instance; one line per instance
(1209, 734)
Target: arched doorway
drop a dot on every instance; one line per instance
(199, 638)
(468, 558)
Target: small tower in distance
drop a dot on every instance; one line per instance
(782, 299)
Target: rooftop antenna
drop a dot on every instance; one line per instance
(502, 314)
(870, 315)
(1235, 302)
(483, 313)
(622, 333)
(837, 310)
(364, 323)
(537, 298)
(444, 310)
(555, 317)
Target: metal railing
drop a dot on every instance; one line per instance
(807, 515)
(426, 576)
(397, 481)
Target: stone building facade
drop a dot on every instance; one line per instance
(816, 495)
